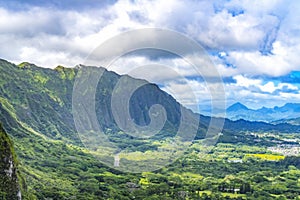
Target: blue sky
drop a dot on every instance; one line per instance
(254, 44)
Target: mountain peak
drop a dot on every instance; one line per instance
(25, 65)
(237, 106)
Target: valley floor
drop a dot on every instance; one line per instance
(57, 170)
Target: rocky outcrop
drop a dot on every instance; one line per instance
(9, 185)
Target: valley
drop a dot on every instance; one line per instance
(251, 160)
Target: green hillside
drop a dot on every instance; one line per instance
(11, 183)
(36, 111)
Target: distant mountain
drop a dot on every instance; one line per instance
(239, 111)
(236, 107)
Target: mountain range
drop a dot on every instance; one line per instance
(40, 99)
(36, 112)
(276, 114)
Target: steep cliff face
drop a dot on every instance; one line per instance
(42, 100)
(9, 187)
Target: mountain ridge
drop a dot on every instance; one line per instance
(36, 111)
(237, 106)
(288, 111)
(33, 93)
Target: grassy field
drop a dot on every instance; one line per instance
(224, 194)
(268, 157)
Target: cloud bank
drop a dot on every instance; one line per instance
(254, 44)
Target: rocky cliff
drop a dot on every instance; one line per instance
(9, 186)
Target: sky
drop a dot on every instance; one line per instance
(254, 44)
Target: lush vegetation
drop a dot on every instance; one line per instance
(36, 111)
(59, 171)
(12, 184)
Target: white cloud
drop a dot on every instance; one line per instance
(248, 38)
(46, 36)
(269, 87)
(281, 62)
(257, 92)
(157, 71)
(246, 82)
(79, 32)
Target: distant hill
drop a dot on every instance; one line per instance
(295, 121)
(288, 111)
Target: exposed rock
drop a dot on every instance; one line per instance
(9, 186)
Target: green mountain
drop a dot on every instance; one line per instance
(36, 111)
(40, 100)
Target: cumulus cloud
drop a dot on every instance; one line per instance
(46, 36)
(261, 92)
(246, 30)
(252, 43)
(198, 96)
(269, 86)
